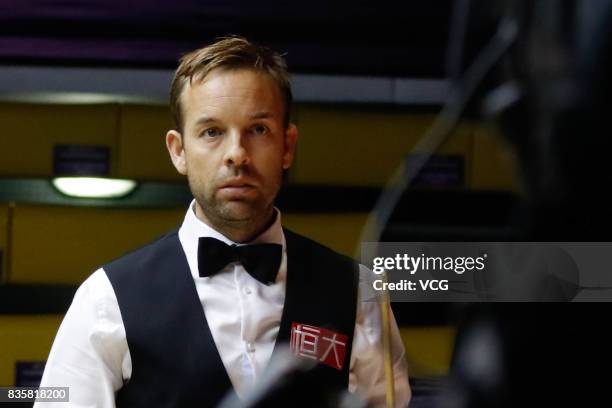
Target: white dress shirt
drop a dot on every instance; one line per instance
(90, 353)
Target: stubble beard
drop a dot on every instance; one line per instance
(234, 218)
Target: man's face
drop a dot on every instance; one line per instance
(234, 146)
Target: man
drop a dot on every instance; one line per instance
(198, 313)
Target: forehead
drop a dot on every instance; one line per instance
(231, 93)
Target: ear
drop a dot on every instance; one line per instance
(291, 136)
(174, 143)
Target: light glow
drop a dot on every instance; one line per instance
(94, 187)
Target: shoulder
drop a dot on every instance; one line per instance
(94, 306)
(319, 262)
(303, 245)
(96, 289)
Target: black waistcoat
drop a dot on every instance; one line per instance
(175, 362)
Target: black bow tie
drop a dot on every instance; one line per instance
(261, 261)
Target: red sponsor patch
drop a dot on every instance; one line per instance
(325, 346)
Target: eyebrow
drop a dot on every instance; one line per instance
(259, 115)
(262, 115)
(205, 119)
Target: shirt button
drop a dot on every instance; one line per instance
(247, 291)
(250, 347)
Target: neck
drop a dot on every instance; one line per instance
(239, 231)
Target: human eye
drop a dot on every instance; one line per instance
(211, 132)
(260, 129)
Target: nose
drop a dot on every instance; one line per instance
(236, 154)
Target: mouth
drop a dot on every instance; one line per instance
(237, 183)
(236, 188)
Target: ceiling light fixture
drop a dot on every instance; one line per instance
(94, 187)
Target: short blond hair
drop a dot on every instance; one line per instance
(229, 53)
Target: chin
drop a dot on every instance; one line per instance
(240, 211)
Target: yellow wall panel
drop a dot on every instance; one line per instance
(142, 143)
(64, 245)
(340, 232)
(428, 349)
(493, 162)
(24, 338)
(31, 130)
(360, 147)
(4, 228)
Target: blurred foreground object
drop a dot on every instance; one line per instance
(549, 97)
